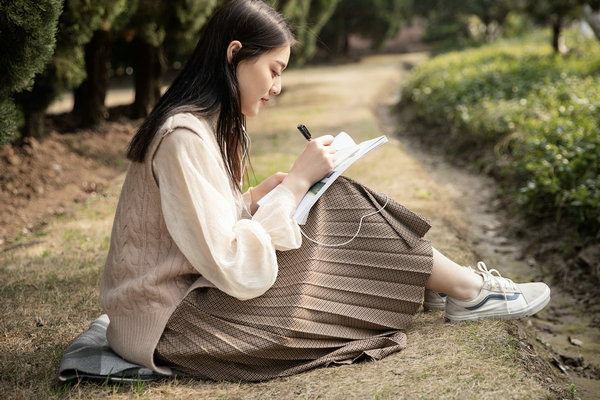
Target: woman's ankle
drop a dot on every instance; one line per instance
(470, 288)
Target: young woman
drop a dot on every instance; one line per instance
(201, 279)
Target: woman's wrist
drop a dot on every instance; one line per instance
(297, 186)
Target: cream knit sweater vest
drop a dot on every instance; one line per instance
(146, 276)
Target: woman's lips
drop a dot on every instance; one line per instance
(264, 101)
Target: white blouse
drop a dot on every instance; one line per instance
(209, 221)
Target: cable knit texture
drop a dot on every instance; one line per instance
(180, 225)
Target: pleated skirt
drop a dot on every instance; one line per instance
(330, 304)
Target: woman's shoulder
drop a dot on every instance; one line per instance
(201, 126)
(186, 131)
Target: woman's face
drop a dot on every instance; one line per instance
(260, 78)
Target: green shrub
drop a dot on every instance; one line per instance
(27, 41)
(538, 112)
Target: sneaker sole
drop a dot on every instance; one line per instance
(533, 308)
(434, 306)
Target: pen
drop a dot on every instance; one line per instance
(304, 131)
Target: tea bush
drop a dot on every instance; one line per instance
(537, 112)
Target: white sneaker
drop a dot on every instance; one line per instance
(434, 301)
(500, 298)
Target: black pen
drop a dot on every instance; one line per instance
(304, 131)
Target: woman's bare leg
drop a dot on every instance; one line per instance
(452, 279)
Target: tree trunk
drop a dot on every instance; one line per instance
(556, 30)
(89, 108)
(149, 68)
(342, 46)
(34, 124)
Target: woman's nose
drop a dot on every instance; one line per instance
(276, 88)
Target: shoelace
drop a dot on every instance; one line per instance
(496, 278)
(496, 281)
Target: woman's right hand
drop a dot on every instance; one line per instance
(315, 162)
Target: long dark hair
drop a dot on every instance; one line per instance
(208, 84)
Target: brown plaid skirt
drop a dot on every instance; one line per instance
(329, 305)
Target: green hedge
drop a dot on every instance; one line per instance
(539, 112)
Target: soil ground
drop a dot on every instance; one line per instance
(59, 197)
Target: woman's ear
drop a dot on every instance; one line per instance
(233, 48)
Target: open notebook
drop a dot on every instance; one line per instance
(347, 153)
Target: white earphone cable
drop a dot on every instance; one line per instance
(355, 235)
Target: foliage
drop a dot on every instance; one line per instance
(66, 70)
(538, 111)
(27, 40)
(307, 18)
(557, 13)
(172, 26)
(451, 19)
(77, 24)
(162, 27)
(551, 10)
(178, 21)
(176, 25)
(186, 19)
(376, 20)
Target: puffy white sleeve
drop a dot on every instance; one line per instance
(200, 211)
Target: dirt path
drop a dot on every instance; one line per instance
(441, 360)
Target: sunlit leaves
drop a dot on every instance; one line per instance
(538, 110)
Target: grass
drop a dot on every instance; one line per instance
(50, 281)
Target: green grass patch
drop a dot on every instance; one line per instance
(536, 113)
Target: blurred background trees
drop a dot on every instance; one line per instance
(106, 17)
(79, 45)
(556, 14)
(32, 25)
(376, 21)
(160, 27)
(66, 69)
(454, 20)
(307, 18)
